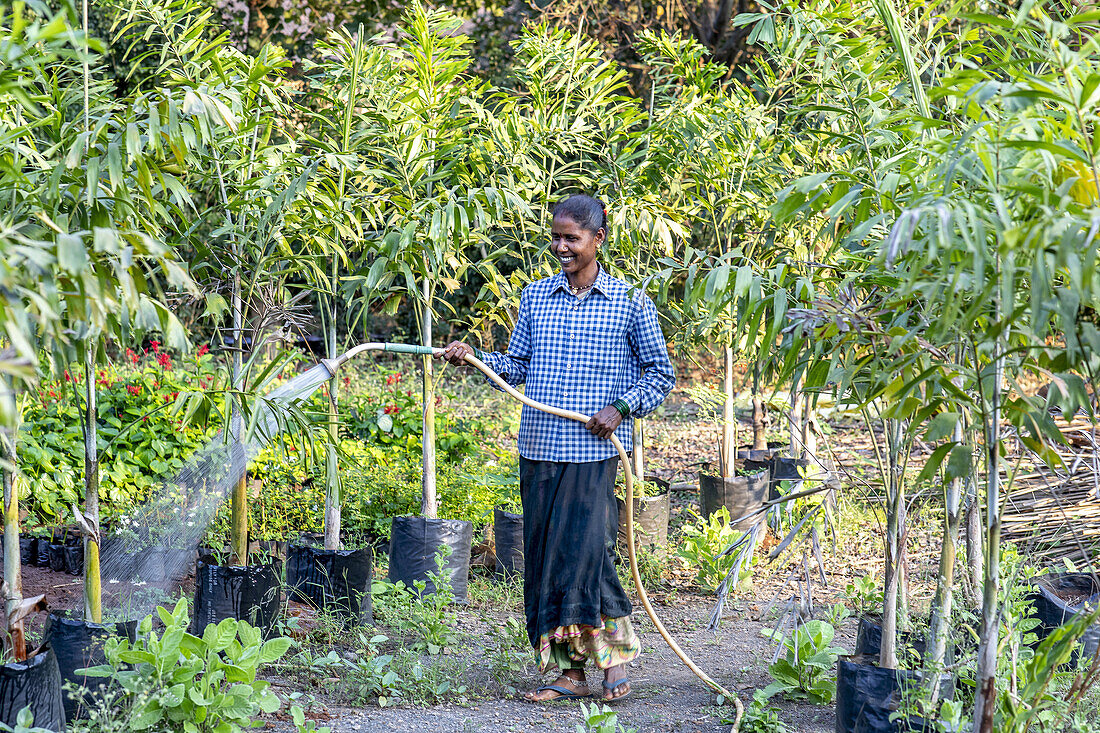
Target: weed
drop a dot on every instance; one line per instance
(806, 669)
(24, 723)
(599, 719)
(759, 717)
(864, 596)
(305, 726)
(837, 614)
(510, 654)
(427, 616)
(367, 674)
(498, 594)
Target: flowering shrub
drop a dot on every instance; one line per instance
(384, 408)
(142, 436)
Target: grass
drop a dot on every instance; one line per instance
(488, 592)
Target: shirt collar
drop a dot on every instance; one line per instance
(602, 284)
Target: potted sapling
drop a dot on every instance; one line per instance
(431, 206)
(741, 493)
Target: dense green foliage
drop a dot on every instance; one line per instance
(890, 203)
(176, 681)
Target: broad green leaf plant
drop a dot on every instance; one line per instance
(176, 681)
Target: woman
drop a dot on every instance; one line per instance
(587, 342)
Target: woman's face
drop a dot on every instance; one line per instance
(574, 246)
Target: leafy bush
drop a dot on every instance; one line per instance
(145, 433)
(702, 545)
(181, 682)
(806, 670)
(380, 407)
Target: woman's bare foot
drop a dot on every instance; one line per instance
(615, 683)
(571, 680)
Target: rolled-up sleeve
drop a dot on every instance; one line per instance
(512, 365)
(649, 347)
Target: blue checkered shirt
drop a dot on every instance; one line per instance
(582, 355)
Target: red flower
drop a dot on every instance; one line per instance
(68, 377)
(204, 350)
(391, 379)
(52, 393)
(135, 389)
(132, 356)
(391, 409)
(438, 400)
(145, 418)
(165, 361)
(347, 381)
(155, 345)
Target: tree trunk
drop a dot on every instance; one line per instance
(429, 504)
(93, 599)
(795, 419)
(895, 527)
(759, 437)
(945, 581)
(974, 548)
(333, 499)
(985, 696)
(729, 449)
(239, 504)
(13, 577)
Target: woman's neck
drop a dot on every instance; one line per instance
(584, 279)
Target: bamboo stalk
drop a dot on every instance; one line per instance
(759, 437)
(239, 503)
(333, 500)
(729, 447)
(13, 577)
(945, 580)
(429, 504)
(638, 457)
(888, 658)
(93, 588)
(985, 695)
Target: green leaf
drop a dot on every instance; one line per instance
(71, 254)
(274, 649)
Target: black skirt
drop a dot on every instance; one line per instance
(570, 521)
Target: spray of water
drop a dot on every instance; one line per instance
(154, 549)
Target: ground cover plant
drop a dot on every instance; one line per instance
(875, 225)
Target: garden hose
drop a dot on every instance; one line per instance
(333, 364)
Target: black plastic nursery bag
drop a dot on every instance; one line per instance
(78, 645)
(36, 683)
(334, 579)
(508, 539)
(251, 593)
(413, 544)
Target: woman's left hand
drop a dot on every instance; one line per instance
(604, 422)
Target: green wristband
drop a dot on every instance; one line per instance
(622, 407)
(479, 354)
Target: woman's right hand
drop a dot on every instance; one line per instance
(455, 353)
